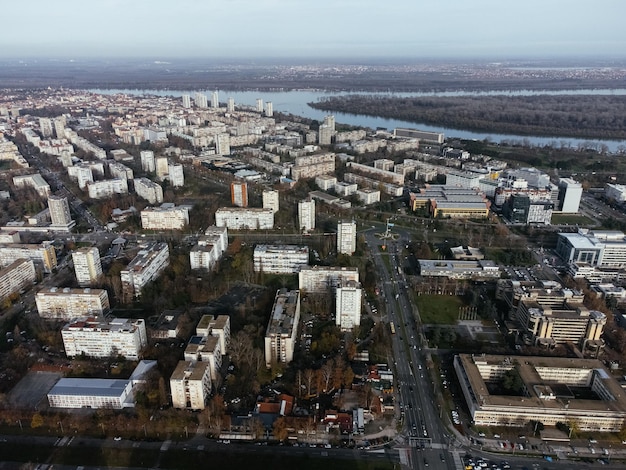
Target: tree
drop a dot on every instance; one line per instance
(279, 429)
(36, 421)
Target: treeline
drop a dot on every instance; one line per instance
(585, 116)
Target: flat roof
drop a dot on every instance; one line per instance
(93, 387)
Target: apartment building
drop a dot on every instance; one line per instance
(239, 193)
(346, 237)
(270, 200)
(82, 174)
(311, 166)
(66, 303)
(87, 265)
(97, 337)
(306, 215)
(149, 190)
(205, 349)
(107, 188)
(325, 182)
(166, 217)
(150, 261)
(120, 171)
(34, 181)
(176, 175)
(244, 218)
(368, 196)
(60, 212)
(209, 249)
(190, 385)
(282, 329)
(18, 275)
(147, 161)
(218, 326)
(348, 299)
(288, 259)
(318, 279)
(44, 254)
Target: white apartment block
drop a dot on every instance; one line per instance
(311, 166)
(149, 190)
(278, 259)
(616, 192)
(375, 173)
(244, 218)
(35, 181)
(87, 265)
(215, 326)
(82, 174)
(346, 237)
(162, 167)
(384, 164)
(66, 304)
(318, 279)
(368, 196)
(345, 189)
(107, 188)
(209, 249)
(147, 161)
(270, 200)
(121, 171)
(325, 182)
(16, 276)
(176, 175)
(306, 215)
(205, 349)
(166, 217)
(10, 237)
(348, 306)
(60, 212)
(97, 337)
(151, 260)
(43, 254)
(282, 329)
(190, 385)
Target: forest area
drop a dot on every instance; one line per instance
(585, 116)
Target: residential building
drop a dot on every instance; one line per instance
(230, 105)
(282, 329)
(269, 109)
(346, 189)
(384, 164)
(615, 192)
(368, 196)
(306, 215)
(239, 193)
(318, 279)
(222, 144)
(270, 200)
(107, 188)
(325, 182)
(10, 237)
(44, 254)
(209, 248)
(147, 161)
(162, 167)
(66, 303)
(346, 237)
(87, 265)
(190, 385)
(121, 171)
(150, 261)
(200, 100)
(60, 212)
(287, 259)
(97, 337)
(34, 181)
(218, 326)
(166, 217)
(91, 393)
(149, 190)
(311, 166)
(205, 349)
(348, 305)
(176, 175)
(547, 397)
(244, 218)
(186, 101)
(18, 275)
(82, 173)
(423, 136)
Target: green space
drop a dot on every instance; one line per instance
(438, 309)
(570, 219)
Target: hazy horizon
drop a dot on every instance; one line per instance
(323, 30)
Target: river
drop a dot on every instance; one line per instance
(296, 102)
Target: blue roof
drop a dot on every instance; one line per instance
(94, 387)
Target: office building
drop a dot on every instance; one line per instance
(243, 218)
(548, 398)
(44, 255)
(239, 193)
(459, 269)
(306, 215)
(166, 217)
(348, 306)
(270, 200)
(91, 393)
(190, 385)
(60, 212)
(186, 101)
(319, 279)
(149, 190)
(601, 248)
(346, 237)
(87, 265)
(569, 195)
(147, 161)
(150, 261)
(18, 275)
(97, 337)
(278, 259)
(176, 175)
(66, 303)
(282, 329)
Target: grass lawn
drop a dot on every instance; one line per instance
(571, 219)
(438, 309)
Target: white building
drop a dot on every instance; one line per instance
(166, 217)
(306, 215)
(280, 258)
(209, 249)
(87, 265)
(205, 349)
(368, 196)
(67, 303)
(602, 248)
(318, 279)
(190, 385)
(215, 326)
(176, 175)
(97, 337)
(282, 329)
(269, 109)
(570, 192)
(186, 101)
(346, 237)
(346, 189)
(348, 306)
(43, 254)
(35, 181)
(239, 193)
(222, 144)
(147, 161)
(149, 190)
(151, 260)
(107, 188)
(60, 212)
(244, 218)
(91, 393)
(325, 182)
(83, 174)
(16, 276)
(270, 200)
(121, 171)
(200, 100)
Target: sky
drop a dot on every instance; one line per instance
(315, 29)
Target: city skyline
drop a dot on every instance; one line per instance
(323, 29)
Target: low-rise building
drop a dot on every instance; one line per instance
(91, 393)
(459, 269)
(67, 303)
(35, 181)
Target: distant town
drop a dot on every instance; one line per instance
(179, 268)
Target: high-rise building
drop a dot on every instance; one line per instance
(67, 303)
(348, 306)
(230, 106)
(60, 211)
(270, 200)
(200, 100)
(186, 101)
(346, 237)
(282, 329)
(239, 193)
(281, 259)
(330, 122)
(87, 265)
(306, 215)
(244, 218)
(59, 128)
(147, 161)
(570, 192)
(45, 126)
(259, 105)
(269, 109)
(190, 385)
(215, 102)
(149, 190)
(16, 276)
(166, 217)
(162, 167)
(145, 267)
(222, 144)
(176, 175)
